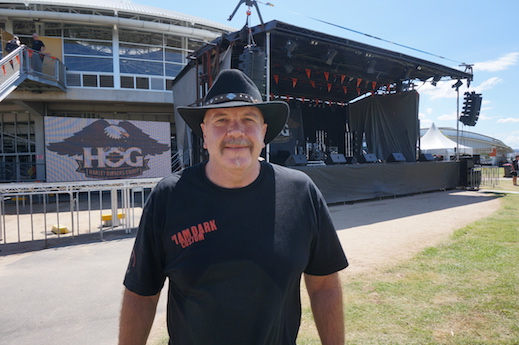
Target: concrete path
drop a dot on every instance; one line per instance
(71, 294)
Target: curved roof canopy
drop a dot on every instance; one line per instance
(123, 13)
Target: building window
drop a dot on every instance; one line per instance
(132, 66)
(17, 147)
(89, 64)
(83, 47)
(81, 31)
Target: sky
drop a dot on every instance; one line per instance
(481, 33)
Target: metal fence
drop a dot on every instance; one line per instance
(42, 211)
(485, 176)
(33, 211)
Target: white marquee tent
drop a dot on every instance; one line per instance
(435, 143)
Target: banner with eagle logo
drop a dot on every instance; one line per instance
(79, 149)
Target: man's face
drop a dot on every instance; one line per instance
(234, 136)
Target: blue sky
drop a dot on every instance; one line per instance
(450, 32)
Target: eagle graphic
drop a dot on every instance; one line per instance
(100, 133)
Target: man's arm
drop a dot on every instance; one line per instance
(326, 300)
(137, 314)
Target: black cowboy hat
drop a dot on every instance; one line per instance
(233, 88)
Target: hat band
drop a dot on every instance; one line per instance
(230, 97)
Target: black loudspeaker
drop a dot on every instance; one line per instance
(280, 157)
(426, 157)
(335, 158)
(468, 177)
(395, 157)
(467, 163)
(296, 160)
(471, 108)
(367, 158)
(253, 63)
(351, 160)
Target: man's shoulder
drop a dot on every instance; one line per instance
(173, 179)
(289, 174)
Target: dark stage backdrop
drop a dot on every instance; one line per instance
(331, 119)
(389, 124)
(305, 119)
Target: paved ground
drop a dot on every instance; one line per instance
(71, 294)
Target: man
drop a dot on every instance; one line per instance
(11, 46)
(37, 44)
(234, 236)
(38, 54)
(514, 169)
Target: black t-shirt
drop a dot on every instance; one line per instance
(37, 45)
(10, 46)
(234, 257)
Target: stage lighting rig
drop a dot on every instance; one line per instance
(249, 4)
(330, 55)
(290, 46)
(457, 85)
(436, 79)
(371, 67)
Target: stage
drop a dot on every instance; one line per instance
(355, 182)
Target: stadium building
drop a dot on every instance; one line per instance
(491, 150)
(106, 73)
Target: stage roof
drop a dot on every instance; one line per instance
(314, 65)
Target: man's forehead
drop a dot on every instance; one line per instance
(233, 110)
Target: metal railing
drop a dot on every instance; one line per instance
(487, 175)
(41, 211)
(25, 63)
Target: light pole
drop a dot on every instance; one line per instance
(457, 87)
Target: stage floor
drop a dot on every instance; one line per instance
(353, 182)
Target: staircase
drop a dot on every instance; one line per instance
(24, 69)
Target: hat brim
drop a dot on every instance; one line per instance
(275, 115)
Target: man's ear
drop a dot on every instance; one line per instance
(264, 133)
(202, 125)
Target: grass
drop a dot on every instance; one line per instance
(465, 291)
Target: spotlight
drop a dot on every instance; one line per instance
(407, 74)
(332, 53)
(436, 79)
(290, 46)
(371, 68)
(457, 84)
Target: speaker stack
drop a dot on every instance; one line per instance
(335, 158)
(426, 157)
(469, 177)
(395, 157)
(367, 158)
(296, 160)
(351, 160)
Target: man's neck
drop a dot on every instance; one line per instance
(235, 178)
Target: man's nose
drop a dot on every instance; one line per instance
(235, 126)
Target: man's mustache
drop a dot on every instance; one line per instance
(236, 142)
